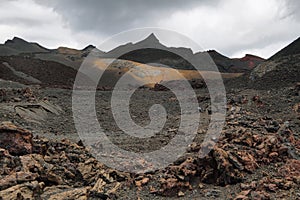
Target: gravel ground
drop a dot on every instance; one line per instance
(274, 104)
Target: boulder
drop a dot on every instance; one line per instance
(16, 140)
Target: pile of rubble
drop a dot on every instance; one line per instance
(17, 95)
(247, 144)
(37, 168)
(32, 168)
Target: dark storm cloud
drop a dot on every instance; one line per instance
(233, 27)
(114, 16)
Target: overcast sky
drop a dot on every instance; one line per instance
(233, 27)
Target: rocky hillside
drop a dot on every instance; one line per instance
(282, 69)
(235, 65)
(18, 46)
(28, 70)
(291, 49)
(154, 52)
(63, 55)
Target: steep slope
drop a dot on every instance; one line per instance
(150, 50)
(235, 65)
(150, 42)
(291, 49)
(281, 70)
(147, 51)
(164, 57)
(250, 61)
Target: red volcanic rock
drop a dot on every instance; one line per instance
(16, 140)
(249, 57)
(251, 60)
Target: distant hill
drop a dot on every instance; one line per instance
(150, 50)
(30, 63)
(18, 46)
(64, 55)
(235, 65)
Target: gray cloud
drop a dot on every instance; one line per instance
(233, 27)
(111, 17)
(293, 8)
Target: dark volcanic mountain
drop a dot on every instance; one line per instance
(64, 55)
(282, 69)
(235, 65)
(18, 46)
(150, 50)
(291, 49)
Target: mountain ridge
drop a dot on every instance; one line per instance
(148, 50)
